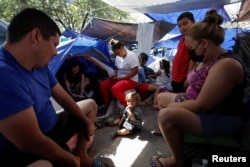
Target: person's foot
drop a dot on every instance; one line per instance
(113, 134)
(159, 161)
(156, 132)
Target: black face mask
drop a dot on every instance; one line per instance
(193, 56)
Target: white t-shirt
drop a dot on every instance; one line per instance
(164, 81)
(126, 64)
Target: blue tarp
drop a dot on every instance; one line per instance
(81, 45)
(230, 34)
(199, 14)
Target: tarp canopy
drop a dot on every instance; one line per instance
(93, 50)
(165, 6)
(229, 41)
(244, 14)
(124, 32)
(3, 30)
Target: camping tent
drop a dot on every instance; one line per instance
(94, 51)
(3, 30)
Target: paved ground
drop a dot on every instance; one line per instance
(130, 151)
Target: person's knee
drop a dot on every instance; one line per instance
(160, 98)
(88, 104)
(41, 163)
(93, 105)
(165, 116)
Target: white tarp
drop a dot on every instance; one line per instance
(165, 6)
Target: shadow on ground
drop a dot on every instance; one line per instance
(130, 151)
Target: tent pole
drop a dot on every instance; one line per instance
(84, 20)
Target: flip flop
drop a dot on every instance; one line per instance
(155, 108)
(155, 162)
(156, 132)
(97, 163)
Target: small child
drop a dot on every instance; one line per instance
(163, 80)
(131, 120)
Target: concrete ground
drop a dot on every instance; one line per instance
(130, 151)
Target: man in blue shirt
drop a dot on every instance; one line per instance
(30, 129)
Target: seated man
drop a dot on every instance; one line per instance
(30, 129)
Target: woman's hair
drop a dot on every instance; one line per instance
(77, 78)
(116, 44)
(166, 66)
(209, 28)
(134, 95)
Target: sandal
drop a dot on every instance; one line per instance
(155, 162)
(156, 132)
(155, 107)
(97, 163)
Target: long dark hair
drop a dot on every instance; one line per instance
(77, 78)
(166, 66)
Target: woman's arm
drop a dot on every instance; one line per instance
(220, 81)
(133, 72)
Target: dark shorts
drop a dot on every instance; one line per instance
(178, 87)
(131, 127)
(219, 125)
(214, 124)
(61, 133)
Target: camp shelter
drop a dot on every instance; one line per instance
(165, 6)
(124, 32)
(94, 51)
(93, 55)
(229, 41)
(3, 30)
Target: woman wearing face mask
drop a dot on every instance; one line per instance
(213, 103)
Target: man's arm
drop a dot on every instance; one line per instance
(23, 131)
(62, 97)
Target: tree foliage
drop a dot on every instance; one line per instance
(67, 14)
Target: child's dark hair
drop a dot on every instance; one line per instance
(143, 57)
(187, 15)
(115, 44)
(166, 66)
